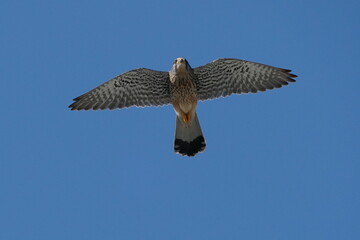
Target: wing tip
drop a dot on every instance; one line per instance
(289, 76)
(288, 72)
(72, 106)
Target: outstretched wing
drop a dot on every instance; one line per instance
(140, 87)
(226, 76)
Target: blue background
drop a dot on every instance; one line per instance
(283, 164)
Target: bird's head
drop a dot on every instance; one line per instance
(181, 65)
(180, 69)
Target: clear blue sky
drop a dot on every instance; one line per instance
(283, 164)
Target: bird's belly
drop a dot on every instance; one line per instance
(186, 107)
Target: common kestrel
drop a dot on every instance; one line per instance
(183, 87)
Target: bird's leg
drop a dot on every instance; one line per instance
(186, 117)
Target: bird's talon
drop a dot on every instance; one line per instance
(186, 118)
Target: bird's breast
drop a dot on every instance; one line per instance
(183, 90)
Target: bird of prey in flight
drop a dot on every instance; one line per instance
(183, 87)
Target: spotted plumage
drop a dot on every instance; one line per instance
(183, 87)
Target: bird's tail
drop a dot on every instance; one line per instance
(189, 139)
